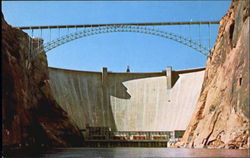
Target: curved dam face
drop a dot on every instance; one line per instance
(128, 101)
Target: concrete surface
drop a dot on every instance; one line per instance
(127, 101)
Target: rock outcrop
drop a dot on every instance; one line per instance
(221, 118)
(31, 117)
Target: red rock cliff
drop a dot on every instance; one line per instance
(221, 119)
(31, 116)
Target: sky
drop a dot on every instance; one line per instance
(142, 52)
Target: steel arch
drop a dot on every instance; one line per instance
(123, 28)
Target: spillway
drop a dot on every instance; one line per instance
(128, 101)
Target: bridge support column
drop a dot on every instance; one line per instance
(169, 77)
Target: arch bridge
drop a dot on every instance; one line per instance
(94, 29)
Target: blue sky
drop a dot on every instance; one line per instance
(143, 53)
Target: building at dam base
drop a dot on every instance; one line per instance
(162, 101)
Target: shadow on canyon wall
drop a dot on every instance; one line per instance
(31, 117)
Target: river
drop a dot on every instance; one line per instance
(134, 153)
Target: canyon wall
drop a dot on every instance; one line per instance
(221, 118)
(31, 117)
(127, 101)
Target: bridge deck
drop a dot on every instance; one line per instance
(99, 25)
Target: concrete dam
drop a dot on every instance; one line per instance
(161, 101)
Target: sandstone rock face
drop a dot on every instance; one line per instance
(221, 118)
(31, 116)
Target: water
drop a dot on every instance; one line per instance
(134, 153)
